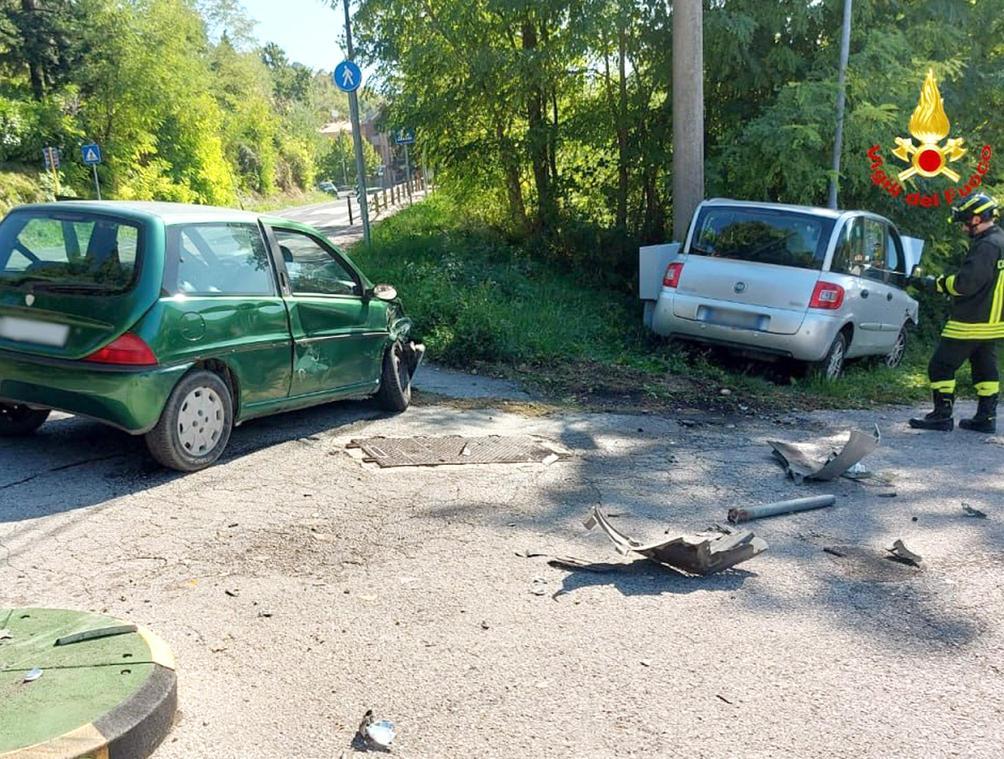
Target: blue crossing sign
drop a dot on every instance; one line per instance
(91, 154)
(347, 76)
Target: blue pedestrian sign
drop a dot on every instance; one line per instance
(405, 137)
(347, 76)
(91, 154)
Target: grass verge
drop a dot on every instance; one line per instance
(482, 303)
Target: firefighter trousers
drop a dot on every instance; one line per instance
(952, 354)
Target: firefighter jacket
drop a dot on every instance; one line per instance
(977, 290)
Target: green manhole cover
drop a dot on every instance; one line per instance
(107, 689)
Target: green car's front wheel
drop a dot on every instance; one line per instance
(17, 420)
(195, 425)
(395, 379)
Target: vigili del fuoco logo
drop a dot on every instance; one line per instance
(927, 153)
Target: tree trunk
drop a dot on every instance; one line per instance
(622, 132)
(35, 70)
(514, 187)
(537, 134)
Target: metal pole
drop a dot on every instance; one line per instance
(357, 135)
(838, 140)
(350, 210)
(407, 168)
(97, 183)
(784, 507)
(688, 112)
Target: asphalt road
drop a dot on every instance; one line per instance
(333, 218)
(299, 587)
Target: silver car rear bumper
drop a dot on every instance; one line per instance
(810, 343)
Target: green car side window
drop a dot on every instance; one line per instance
(312, 269)
(221, 259)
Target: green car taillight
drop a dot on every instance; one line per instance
(127, 350)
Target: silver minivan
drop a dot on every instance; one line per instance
(811, 284)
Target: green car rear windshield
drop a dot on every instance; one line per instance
(762, 235)
(72, 251)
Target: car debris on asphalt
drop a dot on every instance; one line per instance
(969, 511)
(691, 555)
(32, 675)
(800, 466)
(375, 734)
(899, 552)
(748, 513)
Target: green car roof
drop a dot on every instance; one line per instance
(168, 213)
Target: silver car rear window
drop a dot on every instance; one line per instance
(762, 235)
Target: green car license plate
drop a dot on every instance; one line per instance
(32, 331)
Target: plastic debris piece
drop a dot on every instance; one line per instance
(691, 555)
(800, 466)
(969, 511)
(783, 507)
(5, 634)
(33, 675)
(382, 733)
(900, 552)
(376, 733)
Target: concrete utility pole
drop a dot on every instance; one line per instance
(688, 112)
(357, 134)
(838, 141)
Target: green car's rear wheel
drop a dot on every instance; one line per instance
(195, 425)
(17, 420)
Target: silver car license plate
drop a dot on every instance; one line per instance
(736, 319)
(31, 331)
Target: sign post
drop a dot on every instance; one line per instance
(91, 154)
(51, 156)
(406, 137)
(348, 77)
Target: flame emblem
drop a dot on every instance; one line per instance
(929, 125)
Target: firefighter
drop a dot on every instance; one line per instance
(975, 324)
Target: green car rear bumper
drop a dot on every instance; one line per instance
(131, 400)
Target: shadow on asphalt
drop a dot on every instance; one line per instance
(644, 578)
(104, 463)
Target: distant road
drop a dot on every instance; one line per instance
(333, 218)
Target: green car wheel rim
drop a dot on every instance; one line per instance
(201, 421)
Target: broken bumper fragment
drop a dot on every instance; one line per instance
(691, 555)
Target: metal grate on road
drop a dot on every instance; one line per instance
(454, 450)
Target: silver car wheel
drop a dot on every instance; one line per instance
(836, 363)
(201, 421)
(895, 356)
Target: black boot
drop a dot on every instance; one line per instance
(986, 416)
(941, 419)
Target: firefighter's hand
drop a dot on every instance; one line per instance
(927, 284)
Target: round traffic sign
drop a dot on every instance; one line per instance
(347, 76)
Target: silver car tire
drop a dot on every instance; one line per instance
(832, 365)
(895, 357)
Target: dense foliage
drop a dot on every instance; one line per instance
(184, 102)
(554, 117)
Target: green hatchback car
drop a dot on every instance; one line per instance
(178, 322)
